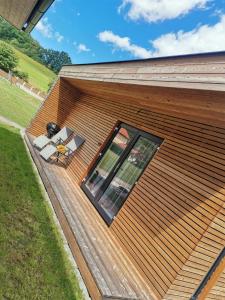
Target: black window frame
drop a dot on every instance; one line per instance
(137, 134)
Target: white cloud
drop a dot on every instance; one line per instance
(124, 44)
(82, 48)
(204, 38)
(45, 28)
(159, 10)
(59, 37)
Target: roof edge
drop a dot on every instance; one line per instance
(204, 54)
(36, 14)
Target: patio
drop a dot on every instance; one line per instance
(108, 271)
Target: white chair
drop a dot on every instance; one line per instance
(50, 152)
(41, 141)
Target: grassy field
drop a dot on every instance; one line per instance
(33, 263)
(39, 75)
(15, 104)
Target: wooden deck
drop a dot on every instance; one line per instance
(106, 269)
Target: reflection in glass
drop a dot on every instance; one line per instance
(129, 172)
(109, 160)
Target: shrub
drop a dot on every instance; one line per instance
(21, 75)
(8, 58)
(50, 84)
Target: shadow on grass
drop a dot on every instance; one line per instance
(33, 264)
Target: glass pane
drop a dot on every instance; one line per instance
(117, 191)
(109, 160)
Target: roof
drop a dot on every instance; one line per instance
(24, 14)
(196, 71)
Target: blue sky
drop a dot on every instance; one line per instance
(109, 30)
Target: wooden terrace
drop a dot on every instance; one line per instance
(97, 253)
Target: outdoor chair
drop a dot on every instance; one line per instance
(52, 153)
(41, 141)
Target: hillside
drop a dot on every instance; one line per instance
(39, 75)
(52, 59)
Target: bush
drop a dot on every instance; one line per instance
(22, 75)
(8, 59)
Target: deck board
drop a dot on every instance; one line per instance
(112, 271)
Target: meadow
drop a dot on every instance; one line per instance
(39, 75)
(17, 105)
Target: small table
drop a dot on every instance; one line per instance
(61, 149)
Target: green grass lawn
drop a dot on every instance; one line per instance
(39, 75)
(17, 105)
(33, 264)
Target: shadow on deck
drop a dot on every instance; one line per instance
(105, 267)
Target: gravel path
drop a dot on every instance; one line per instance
(10, 123)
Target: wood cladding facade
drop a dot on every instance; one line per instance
(218, 290)
(172, 224)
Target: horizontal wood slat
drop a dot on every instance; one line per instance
(171, 224)
(218, 290)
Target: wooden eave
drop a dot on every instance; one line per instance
(201, 72)
(190, 87)
(24, 14)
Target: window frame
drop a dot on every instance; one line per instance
(137, 134)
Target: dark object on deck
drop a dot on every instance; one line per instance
(52, 129)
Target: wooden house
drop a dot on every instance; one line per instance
(142, 202)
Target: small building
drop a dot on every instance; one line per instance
(142, 201)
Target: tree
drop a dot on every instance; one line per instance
(25, 43)
(20, 40)
(8, 59)
(55, 59)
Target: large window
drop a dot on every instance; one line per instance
(118, 168)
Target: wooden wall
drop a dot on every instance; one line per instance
(164, 224)
(199, 262)
(218, 291)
